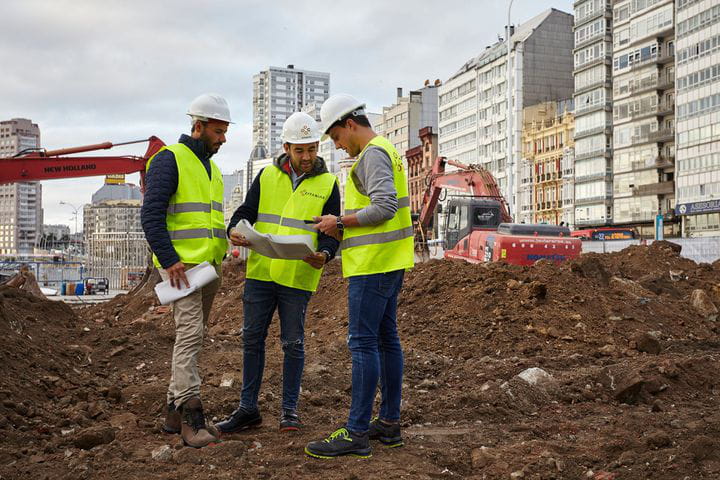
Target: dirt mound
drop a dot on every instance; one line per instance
(598, 367)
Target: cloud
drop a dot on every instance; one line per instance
(89, 71)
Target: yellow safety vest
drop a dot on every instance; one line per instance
(378, 248)
(283, 211)
(195, 219)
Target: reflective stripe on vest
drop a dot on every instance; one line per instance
(386, 247)
(194, 217)
(282, 211)
(402, 203)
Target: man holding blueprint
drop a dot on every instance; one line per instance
(182, 217)
(286, 259)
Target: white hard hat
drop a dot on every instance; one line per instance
(300, 128)
(210, 106)
(337, 107)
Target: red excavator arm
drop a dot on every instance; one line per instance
(471, 180)
(54, 164)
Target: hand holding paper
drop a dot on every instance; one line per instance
(198, 276)
(288, 247)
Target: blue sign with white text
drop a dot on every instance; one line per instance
(709, 206)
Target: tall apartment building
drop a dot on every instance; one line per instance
(548, 148)
(21, 214)
(472, 103)
(697, 163)
(593, 112)
(278, 93)
(420, 161)
(402, 120)
(643, 164)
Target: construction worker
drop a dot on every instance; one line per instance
(377, 248)
(282, 200)
(182, 216)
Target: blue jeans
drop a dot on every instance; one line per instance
(259, 302)
(374, 347)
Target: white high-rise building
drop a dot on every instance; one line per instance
(697, 48)
(21, 215)
(472, 103)
(277, 94)
(593, 112)
(643, 162)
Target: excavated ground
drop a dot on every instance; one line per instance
(629, 340)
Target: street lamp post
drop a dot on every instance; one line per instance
(75, 213)
(508, 120)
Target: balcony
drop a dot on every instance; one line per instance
(597, 37)
(663, 135)
(660, 188)
(607, 130)
(666, 58)
(597, 153)
(607, 60)
(662, 161)
(607, 106)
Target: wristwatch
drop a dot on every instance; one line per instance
(339, 223)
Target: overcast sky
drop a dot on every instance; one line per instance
(88, 71)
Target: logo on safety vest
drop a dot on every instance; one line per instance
(312, 194)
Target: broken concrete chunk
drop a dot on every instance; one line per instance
(535, 376)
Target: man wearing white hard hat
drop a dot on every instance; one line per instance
(377, 248)
(283, 200)
(182, 216)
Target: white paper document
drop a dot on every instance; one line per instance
(289, 247)
(198, 276)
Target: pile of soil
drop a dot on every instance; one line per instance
(603, 367)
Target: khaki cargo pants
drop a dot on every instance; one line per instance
(191, 315)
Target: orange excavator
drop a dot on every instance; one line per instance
(478, 226)
(40, 164)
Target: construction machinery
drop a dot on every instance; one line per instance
(40, 164)
(477, 224)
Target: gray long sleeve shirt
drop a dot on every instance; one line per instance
(373, 176)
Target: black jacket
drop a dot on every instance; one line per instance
(161, 183)
(249, 209)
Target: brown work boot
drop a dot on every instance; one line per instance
(172, 420)
(195, 432)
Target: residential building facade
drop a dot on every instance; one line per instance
(277, 94)
(593, 96)
(21, 214)
(547, 142)
(402, 120)
(697, 185)
(643, 165)
(473, 102)
(420, 160)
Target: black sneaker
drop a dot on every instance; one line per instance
(289, 421)
(341, 442)
(387, 433)
(240, 419)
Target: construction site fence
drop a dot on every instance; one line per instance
(700, 250)
(121, 257)
(48, 274)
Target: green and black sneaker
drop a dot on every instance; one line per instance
(341, 442)
(387, 433)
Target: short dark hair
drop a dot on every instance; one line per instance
(361, 120)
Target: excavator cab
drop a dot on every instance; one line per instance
(466, 214)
